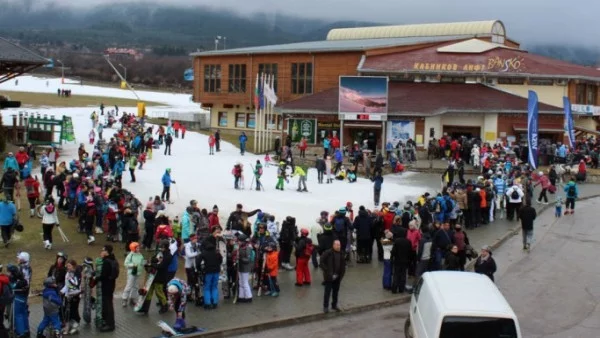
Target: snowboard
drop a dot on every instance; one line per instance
(168, 331)
(87, 293)
(143, 292)
(98, 303)
(222, 249)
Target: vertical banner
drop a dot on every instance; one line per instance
(569, 121)
(532, 128)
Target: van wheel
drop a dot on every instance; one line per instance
(408, 328)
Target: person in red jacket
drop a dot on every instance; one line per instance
(211, 144)
(176, 127)
(32, 186)
(213, 218)
(183, 131)
(388, 216)
(302, 146)
(335, 142)
(22, 159)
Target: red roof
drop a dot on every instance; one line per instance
(422, 99)
(496, 61)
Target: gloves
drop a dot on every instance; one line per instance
(173, 182)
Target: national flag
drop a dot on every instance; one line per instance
(261, 95)
(532, 128)
(256, 92)
(569, 121)
(270, 91)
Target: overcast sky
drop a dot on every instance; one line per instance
(573, 22)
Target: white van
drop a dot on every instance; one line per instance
(453, 304)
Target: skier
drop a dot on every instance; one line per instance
(134, 262)
(49, 220)
(178, 292)
(377, 182)
(168, 142)
(71, 292)
(166, 181)
(281, 175)
(211, 144)
(301, 178)
(246, 258)
(32, 186)
(52, 304)
(320, 166)
(243, 139)
(133, 161)
(237, 175)
(304, 249)
(328, 169)
(258, 171)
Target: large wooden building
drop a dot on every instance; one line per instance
(465, 78)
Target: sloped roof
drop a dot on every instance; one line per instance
(470, 46)
(10, 52)
(330, 46)
(497, 62)
(426, 99)
(473, 28)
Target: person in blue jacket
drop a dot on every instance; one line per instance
(326, 144)
(11, 162)
(572, 194)
(8, 212)
(339, 160)
(186, 224)
(118, 172)
(243, 139)
(52, 305)
(166, 181)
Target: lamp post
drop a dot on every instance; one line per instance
(125, 70)
(217, 39)
(62, 68)
(224, 42)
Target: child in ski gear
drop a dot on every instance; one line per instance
(572, 194)
(237, 175)
(387, 263)
(304, 249)
(134, 262)
(71, 291)
(272, 227)
(246, 258)
(32, 186)
(142, 160)
(267, 159)
(178, 292)
(133, 161)
(176, 226)
(281, 175)
(52, 304)
(301, 178)
(258, 171)
(271, 270)
(92, 136)
(558, 206)
(192, 250)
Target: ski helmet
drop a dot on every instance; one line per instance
(133, 246)
(172, 289)
(304, 232)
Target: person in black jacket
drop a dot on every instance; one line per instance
(378, 164)
(399, 259)
(320, 166)
(238, 220)
(527, 214)
(130, 228)
(485, 263)
(149, 218)
(287, 237)
(212, 260)
(333, 264)
(108, 277)
(218, 140)
(377, 235)
(325, 239)
(159, 266)
(363, 223)
(452, 261)
(168, 142)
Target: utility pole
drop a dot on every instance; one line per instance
(125, 71)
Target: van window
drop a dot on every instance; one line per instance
(476, 327)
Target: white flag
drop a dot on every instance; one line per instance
(269, 91)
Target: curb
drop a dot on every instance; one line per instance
(303, 319)
(495, 245)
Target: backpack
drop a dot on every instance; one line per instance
(571, 191)
(339, 224)
(514, 195)
(449, 205)
(260, 171)
(308, 248)
(7, 295)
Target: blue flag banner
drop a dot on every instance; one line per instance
(261, 92)
(569, 129)
(188, 74)
(532, 128)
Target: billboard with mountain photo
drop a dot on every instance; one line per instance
(363, 95)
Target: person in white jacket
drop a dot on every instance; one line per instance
(515, 195)
(315, 230)
(475, 156)
(191, 251)
(49, 220)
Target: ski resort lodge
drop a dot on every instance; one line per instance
(461, 79)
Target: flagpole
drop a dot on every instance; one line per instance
(261, 98)
(270, 131)
(265, 112)
(255, 111)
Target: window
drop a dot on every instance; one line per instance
(580, 94)
(448, 79)
(541, 82)
(511, 81)
(251, 121)
(237, 78)
(478, 327)
(302, 78)
(222, 119)
(212, 78)
(269, 68)
(240, 120)
(592, 91)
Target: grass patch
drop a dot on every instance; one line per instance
(52, 100)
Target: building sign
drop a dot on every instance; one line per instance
(363, 98)
(585, 109)
(492, 64)
(66, 130)
(400, 131)
(299, 128)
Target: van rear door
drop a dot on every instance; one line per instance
(476, 327)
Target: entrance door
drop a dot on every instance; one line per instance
(458, 131)
(371, 135)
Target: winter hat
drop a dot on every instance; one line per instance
(88, 261)
(215, 207)
(362, 208)
(23, 257)
(189, 210)
(392, 209)
(304, 232)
